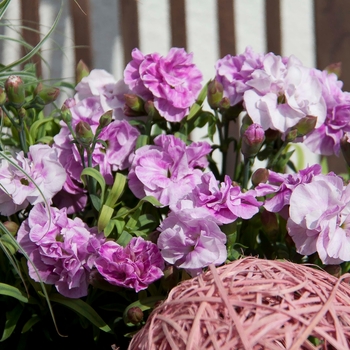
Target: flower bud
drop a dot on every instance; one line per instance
(134, 102)
(345, 148)
(306, 125)
(84, 134)
(82, 71)
(11, 226)
(272, 135)
(224, 103)
(66, 114)
(46, 94)
(215, 94)
(291, 135)
(151, 110)
(105, 119)
(252, 140)
(2, 96)
(259, 176)
(14, 88)
(270, 225)
(135, 315)
(334, 68)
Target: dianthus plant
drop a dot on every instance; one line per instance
(109, 201)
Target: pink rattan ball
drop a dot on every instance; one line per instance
(252, 304)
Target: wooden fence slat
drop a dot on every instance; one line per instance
(227, 45)
(332, 27)
(129, 27)
(178, 23)
(273, 26)
(227, 42)
(31, 29)
(82, 33)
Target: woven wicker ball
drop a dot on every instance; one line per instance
(252, 304)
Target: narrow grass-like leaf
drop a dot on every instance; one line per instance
(3, 7)
(83, 309)
(6, 289)
(36, 49)
(20, 249)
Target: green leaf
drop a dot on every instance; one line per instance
(30, 323)
(96, 201)
(11, 321)
(3, 7)
(117, 190)
(104, 218)
(95, 174)
(142, 140)
(152, 200)
(124, 238)
(13, 292)
(36, 125)
(83, 309)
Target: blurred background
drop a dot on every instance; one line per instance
(103, 33)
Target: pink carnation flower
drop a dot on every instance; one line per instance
(172, 81)
(63, 250)
(110, 93)
(233, 72)
(282, 93)
(325, 140)
(224, 202)
(136, 266)
(167, 169)
(319, 218)
(191, 239)
(282, 186)
(43, 166)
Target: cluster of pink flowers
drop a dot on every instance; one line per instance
(276, 92)
(114, 154)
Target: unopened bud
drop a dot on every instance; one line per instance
(82, 71)
(150, 109)
(11, 226)
(66, 114)
(334, 68)
(306, 125)
(2, 96)
(84, 134)
(134, 102)
(270, 225)
(46, 94)
(272, 135)
(345, 148)
(224, 103)
(259, 176)
(291, 135)
(215, 94)
(252, 140)
(135, 315)
(14, 88)
(105, 119)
